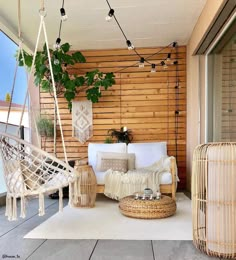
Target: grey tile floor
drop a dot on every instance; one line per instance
(13, 245)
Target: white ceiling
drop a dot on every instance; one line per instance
(146, 23)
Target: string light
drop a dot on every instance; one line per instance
(64, 16)
(57, 45)
(168, 57)
(56, 62)
(163, 64)
(174, 44)
(153, 68)
(130, 45)
(110, 15)
(141, 62)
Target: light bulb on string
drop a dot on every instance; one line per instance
(153, 69)
(130, 45)
(168, 57)
(110, 15)
(56, 62)
(57, 44)
(163, 64)
(141, 62)
(64, 16)
(174, 44)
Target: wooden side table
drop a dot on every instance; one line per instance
(87, 185)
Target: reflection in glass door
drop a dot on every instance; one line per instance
(222, 89)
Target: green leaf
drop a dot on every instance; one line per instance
(65, 47)
(70, 105)
(79, 81)
(108, 81)
(42, 69)
(45, 48)
(37, 80)
(28, 60)
(78, 57)
(69, 95)
(70, 85)
(65, 77)
(90, 77)
(98, 84)
(67, 59)
(45, 85)
(93, 94)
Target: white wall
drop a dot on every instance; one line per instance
(14, 117)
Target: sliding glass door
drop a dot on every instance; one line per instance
(221, 118)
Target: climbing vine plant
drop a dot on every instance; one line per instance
(66, 84)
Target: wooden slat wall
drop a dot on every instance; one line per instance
(144, 102)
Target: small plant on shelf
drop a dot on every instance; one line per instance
(122, 136)
(108, 140)
(45, 128)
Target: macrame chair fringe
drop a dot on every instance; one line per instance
(60, 200)
(30, 171)
(22, 200)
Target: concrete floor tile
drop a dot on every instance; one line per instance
(64, 249)
(123, 249)
(178, 250)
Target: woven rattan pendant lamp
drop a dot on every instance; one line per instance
(214, 199)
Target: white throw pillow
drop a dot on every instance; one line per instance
(120, 165)
(106, 155)
(147, 153)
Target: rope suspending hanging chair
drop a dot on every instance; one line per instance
(28, 170)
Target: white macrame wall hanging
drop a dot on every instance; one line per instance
(82, 120)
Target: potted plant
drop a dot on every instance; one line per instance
(45, 128)
(108, 140)
(123, 135)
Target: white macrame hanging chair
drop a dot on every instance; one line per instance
(28, 170)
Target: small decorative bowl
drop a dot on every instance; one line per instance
(148, 191)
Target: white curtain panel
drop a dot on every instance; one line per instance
(82, 120)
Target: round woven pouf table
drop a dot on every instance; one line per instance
(147, 209)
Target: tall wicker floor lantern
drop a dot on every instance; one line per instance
(214, 199)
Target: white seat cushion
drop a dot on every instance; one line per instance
(147, 153)
(100, 177)
(165, 178)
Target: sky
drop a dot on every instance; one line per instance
(7, 69)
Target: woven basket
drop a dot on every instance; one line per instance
(147, 209)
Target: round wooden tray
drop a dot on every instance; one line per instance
(147, 209)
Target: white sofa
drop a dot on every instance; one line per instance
(145, 155)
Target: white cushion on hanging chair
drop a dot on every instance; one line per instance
(14, 178)
(60, 179)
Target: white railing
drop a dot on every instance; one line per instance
(13, 130)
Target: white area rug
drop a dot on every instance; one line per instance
(106, 222)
